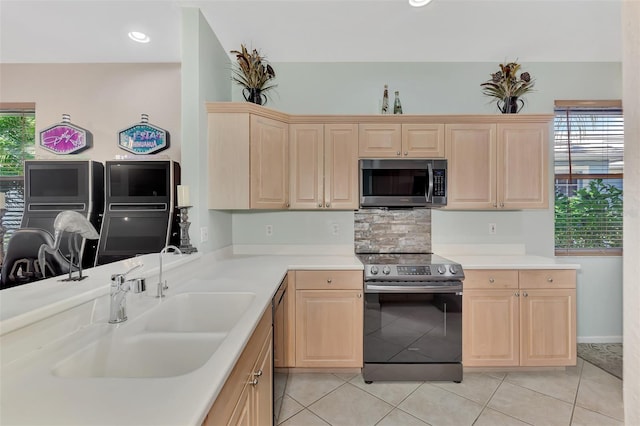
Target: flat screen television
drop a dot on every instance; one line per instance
(60, 182)
(141, 182)
(53, 186)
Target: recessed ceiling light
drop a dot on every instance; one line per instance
(139, 37)
(419, 3)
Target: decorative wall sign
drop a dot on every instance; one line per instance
(143, 138)
(65, 138)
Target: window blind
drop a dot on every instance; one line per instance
(589, 160)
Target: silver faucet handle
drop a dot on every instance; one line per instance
(138, 285)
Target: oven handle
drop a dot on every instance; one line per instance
(381, 288)
(429, 193)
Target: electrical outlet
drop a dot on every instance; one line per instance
(492, 229)
(269, 230)
(335, 229)
(204, 234)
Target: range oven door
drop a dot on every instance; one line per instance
(413, 327)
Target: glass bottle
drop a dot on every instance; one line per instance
(385, 101)
(397, 107)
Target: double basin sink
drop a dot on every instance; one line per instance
(177, 336)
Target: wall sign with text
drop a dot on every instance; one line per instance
(65, 137)
(143, 138)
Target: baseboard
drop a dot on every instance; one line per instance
(600, 339)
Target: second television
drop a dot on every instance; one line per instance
(140, 215)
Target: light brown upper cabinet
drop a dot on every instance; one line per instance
(323, 164)
(269, 163)
(248, 162)
(407, 140)
(497, 166)
(264, 159)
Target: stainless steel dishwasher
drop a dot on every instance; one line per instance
(280, 373)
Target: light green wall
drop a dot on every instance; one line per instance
(205, 78)
(430, 87)
(447, 88)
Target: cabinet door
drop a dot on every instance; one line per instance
(423, 140)
(241, 415)
(548, 327)
(523, 166)
(341, 166)
(329, 328)
(269, 163)
(490, 328)
(262, 404)
(471, 155)
(306, 165)
(379, 140)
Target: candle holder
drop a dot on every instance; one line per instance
(185, 244)
(2, 232)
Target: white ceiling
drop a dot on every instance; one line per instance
(78, 31)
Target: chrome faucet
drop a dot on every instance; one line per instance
(162, 285)
(119, 289)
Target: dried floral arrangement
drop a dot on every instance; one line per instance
(507, 83)
(254, 73)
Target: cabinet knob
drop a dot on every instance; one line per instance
(287, 205)
(406, 153)
(501, 205)
(525, 294)
(495, 204)
(254, 382)
(398, 153)
(517, 294)
(492, 280)
(359, 295)
(549, 279)
(329, 280)
(319, 204)
(328, 205)
(258, 373)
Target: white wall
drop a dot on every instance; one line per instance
(101, 98)
(631, 102)
(205, 78)
(447, 88)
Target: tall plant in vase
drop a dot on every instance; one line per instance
(508, 87)
(254, 73)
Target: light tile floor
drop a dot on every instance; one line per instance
(581, 395)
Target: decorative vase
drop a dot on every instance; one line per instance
(255, 95)
(510, 105)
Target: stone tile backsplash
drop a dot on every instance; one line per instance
(392, 231)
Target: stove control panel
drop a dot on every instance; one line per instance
(414, 272)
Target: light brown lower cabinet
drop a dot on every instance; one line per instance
(519, 318)
(247, 397)
(328, 311)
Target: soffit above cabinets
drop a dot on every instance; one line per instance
(95, 31)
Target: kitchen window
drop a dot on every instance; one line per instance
(589, 148)
(17, 143)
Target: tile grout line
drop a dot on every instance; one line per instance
(486, 405)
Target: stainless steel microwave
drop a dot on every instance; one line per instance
(398, 183)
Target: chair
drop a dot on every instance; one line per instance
(21, 265)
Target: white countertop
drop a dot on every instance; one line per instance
(510, 262)
(31, 394)
(45, 322)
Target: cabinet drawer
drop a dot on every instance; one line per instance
(328, 280)
(490, 278)
(548, 278)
